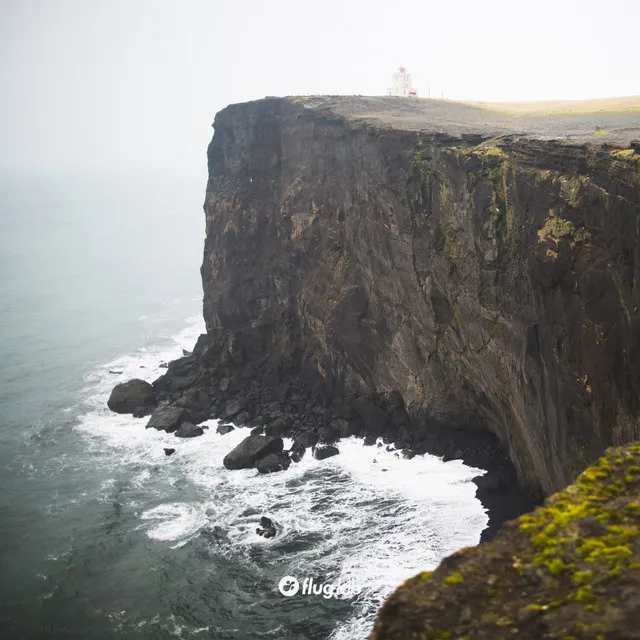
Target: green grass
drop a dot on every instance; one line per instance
(559, 107)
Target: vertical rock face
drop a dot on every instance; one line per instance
(492, 282)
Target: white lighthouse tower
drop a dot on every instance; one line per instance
(402, 84)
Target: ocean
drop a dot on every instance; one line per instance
(104, 536)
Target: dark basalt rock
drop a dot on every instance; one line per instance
(489, 482)
(195, 400)
(168, 418)
(374, 419)
(328, 435)
(306, 439)
(297, 451)
(188, 430)
(168, 451)
(181, 374)
(274, 462)
(250, 450)
(322, 452)
(279, 427)
(223, 429)
(345, 428)
(453, 454)
(141, 412)
(185, 382)
(233, 408)
(267, 528)
(243, 418)
(131, 396)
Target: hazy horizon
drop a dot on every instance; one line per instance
(133, 87)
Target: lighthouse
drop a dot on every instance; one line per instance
(401, 84)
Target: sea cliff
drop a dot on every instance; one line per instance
(481, 276)
(435, 277)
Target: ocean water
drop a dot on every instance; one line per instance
(101, 534)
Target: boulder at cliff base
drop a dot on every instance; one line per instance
(250, 450)
(168, 419)
(132, 396)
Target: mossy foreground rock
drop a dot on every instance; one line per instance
(569, 570)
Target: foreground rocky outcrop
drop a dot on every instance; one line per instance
(402, 269)
(570, 569)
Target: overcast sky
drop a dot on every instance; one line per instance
(133, 85)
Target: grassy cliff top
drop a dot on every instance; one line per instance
(557, 107)
(615, 121)
(569, 570)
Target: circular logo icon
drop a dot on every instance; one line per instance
(289, 586)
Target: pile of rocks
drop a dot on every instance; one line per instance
(195, 390)
(216, 382)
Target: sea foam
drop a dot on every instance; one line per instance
(367, 517)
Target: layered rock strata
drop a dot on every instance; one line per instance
(404, 269)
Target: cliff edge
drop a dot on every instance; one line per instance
(482, 271)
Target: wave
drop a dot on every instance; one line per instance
(368, 517)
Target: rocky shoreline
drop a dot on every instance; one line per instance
(371, 269)
(370, 249)
(210, 383)
(408, 273)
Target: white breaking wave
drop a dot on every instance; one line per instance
(175, 521)
(367, 517)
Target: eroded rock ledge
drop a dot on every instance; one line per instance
(368, 269)
(571, 569)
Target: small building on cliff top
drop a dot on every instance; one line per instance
(401, 84)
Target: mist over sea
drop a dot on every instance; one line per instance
(101, 534)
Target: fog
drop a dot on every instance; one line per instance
(132, 87)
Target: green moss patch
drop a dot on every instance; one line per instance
(570, 569)
(557, 229)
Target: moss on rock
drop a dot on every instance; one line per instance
(570, 569)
